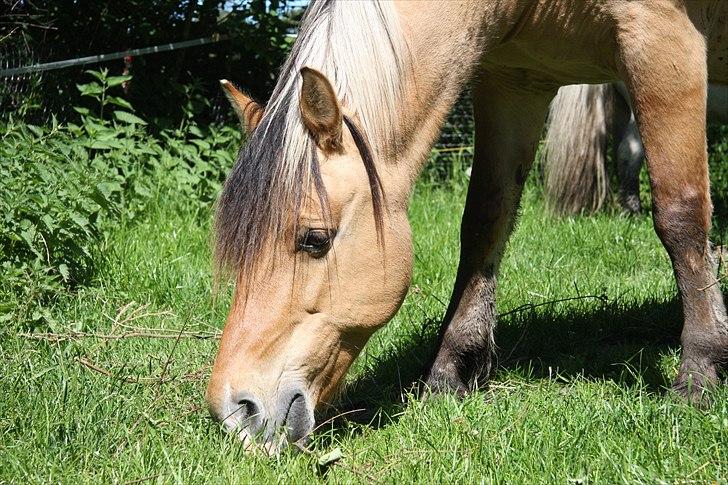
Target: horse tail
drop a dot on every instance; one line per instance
(575, 152)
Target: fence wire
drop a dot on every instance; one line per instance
(36, 96)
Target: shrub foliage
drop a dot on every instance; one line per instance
(65, 186)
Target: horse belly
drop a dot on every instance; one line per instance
(711, 18)
(566, 41)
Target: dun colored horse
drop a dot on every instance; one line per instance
(312, 220)
(575, 157)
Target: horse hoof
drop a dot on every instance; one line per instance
(695, 386)
(631, 205)
(439, 382)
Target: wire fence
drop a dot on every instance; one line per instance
(456, 138)
(17, 90)
(35, 86)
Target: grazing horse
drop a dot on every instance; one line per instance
(576, 145)
(312, 220)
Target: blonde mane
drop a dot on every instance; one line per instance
(357, 46)
(361, 50)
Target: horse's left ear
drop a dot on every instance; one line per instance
(249, 112)
(321, 111)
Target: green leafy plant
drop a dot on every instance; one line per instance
(66, 187)
(54, 200)
(98, 89)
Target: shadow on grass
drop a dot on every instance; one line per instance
(619, 342)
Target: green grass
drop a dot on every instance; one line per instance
(579, 393)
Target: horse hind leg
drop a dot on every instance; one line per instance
(508, 125)
(630, 155)
(669, 94)
(628, 150)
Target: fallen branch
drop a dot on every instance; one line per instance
(130, 314)
(59, 337)
(137, 380)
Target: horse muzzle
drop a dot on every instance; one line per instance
(267, 424)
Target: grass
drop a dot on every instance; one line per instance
(587, 345)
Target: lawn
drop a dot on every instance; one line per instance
(587, 342)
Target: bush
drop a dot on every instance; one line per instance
(53, 201)
(64, 187)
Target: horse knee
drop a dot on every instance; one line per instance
(682, 222)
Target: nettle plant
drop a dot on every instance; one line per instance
(65, 187)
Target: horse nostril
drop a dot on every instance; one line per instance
(248, 408)
(245, 414)
(299, 420)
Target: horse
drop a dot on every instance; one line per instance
(311, 224)
(574, 159)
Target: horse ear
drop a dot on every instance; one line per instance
(249, 112)
(321, 111)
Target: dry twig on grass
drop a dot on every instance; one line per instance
(190, 376)
(124, 316)
(130, 314)
(141, 333)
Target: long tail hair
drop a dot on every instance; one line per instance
(575, 152)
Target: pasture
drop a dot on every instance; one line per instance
(108, 384)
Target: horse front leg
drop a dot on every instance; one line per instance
(667, 79)
(508, 125)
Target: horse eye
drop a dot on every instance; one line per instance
(316, 242)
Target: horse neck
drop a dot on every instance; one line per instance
(445, 44)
